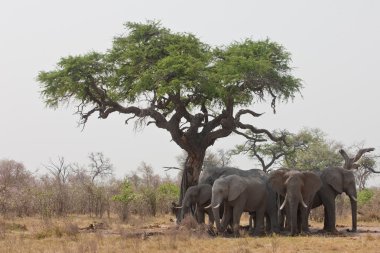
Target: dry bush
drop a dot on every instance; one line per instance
(317, 214)
(47, 231)
(71, 229)
(2, 230)
(189, 222)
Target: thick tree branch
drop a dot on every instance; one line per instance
(362, 152)
(172, 168)
(249, 137)
(260, 131)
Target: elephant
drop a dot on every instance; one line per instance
(199, 196)
(298, 189)
(239, 194)
(336, 180)
(210, 174)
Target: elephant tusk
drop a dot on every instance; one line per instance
(284, 203)
(209, 206)
(303, 203)
(353, 198)
(216, 206)
(178, 207)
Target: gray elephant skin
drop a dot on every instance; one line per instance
(210, 174)
(298, 189)
(239, 194)
(199, 196)
(336, 181)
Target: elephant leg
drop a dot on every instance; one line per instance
(201, 216)
(325, 220)
(236, 215)
(227, 216)
(281, 219)
(330, 215)
(259, 228)
(210, 218)
(304, 220)
(250, 222)
(268, 224)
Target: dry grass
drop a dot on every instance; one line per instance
(68, 235)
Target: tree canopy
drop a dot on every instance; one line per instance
(177, 82)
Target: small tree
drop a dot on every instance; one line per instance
(125, 197)
(167, 192)
(60, 170)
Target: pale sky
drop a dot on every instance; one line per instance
(334, 46)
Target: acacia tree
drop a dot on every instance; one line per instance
(176, 82)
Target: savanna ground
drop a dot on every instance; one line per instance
(160, 234)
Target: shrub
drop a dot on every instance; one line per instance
(365, 196)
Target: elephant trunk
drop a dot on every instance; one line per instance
(216, 214)
(354, 207)
(293, 208)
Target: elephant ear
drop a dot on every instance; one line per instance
(312, 183)
(277, 180)
(237, 186)
(334, 178)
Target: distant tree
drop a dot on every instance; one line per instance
(16, 188)
(317, 152)
(268, 153)
(363, 163)
(99, 165)
(125, 196)
(364, 172)
(60, 170)
(219, 159)
(176, 82)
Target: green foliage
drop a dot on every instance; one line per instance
(126, 194)
(364, 196)
(168, 190)
(318, 153)
(308, 149)
(150, 58)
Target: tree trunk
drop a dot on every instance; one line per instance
(190, 176)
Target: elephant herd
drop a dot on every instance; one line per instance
(278, 201)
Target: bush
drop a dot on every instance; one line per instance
(365, 196)
(125, 197)
(167, 193)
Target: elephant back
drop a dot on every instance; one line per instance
(210, 174)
